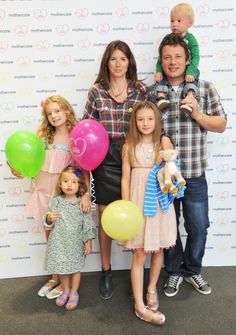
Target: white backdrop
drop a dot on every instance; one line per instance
(55, 47)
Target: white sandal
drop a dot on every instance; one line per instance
(55, 293)
(46, 289)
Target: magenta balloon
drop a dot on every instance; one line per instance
(89, 144)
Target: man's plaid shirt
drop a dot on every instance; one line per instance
(113, 115)
(187, 136)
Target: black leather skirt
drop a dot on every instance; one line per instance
(107, 176)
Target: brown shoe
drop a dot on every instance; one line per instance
(155, 318)
(186, 109)
(152, 300)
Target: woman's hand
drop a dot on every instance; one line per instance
(158, 77)
(85, 203)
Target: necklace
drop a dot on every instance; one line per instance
(116, 95)
(148, 152)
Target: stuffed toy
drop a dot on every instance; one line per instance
(168, 170)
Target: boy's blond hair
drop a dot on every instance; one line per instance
(185, 8)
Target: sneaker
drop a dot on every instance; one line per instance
(199, 284)
(186, 109)
(171, 287)
(162, 103)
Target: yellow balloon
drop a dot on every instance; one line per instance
(122, 220)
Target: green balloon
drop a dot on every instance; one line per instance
(25, 153)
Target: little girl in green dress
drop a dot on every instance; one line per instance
(71, 235)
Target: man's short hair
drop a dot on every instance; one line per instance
(174, 39)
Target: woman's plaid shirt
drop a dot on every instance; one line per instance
(187, 136)
(113, 115)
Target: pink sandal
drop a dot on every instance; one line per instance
(156, 318)
(153, 304)
(73, 301)
(62, 299)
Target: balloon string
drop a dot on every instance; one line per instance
(92, 192)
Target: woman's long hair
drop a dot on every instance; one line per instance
(104, 74)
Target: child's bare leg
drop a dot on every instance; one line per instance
(154, 273)
(74, 296)
(75, 282)
(155, 269)
(65, 282)
(65, 285)
(55, 278)
(137, 273)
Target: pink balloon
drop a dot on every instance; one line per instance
(89, 144)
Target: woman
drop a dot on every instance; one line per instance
(110, 101)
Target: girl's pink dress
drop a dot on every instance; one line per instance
(43, 186)
(159, 231)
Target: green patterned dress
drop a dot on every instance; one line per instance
(70, 232)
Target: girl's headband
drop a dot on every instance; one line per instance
(78, 172)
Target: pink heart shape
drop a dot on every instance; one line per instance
(78, 146)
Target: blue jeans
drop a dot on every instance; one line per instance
(162, 86)
(187, 262)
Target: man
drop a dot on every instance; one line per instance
(188, 133)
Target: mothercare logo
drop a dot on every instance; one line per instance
(162, 11)
(122, 12)
(223, 25)
(143, 27)
(21, 30)
(203, 10)
(82, 13)
(103, 28)
(84, 44)
(62, 29)
(40, 14)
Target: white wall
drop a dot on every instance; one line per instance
(54, 47)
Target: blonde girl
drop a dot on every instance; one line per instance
(140, 152)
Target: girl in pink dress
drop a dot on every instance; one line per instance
(58, 119)
(140, 152)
